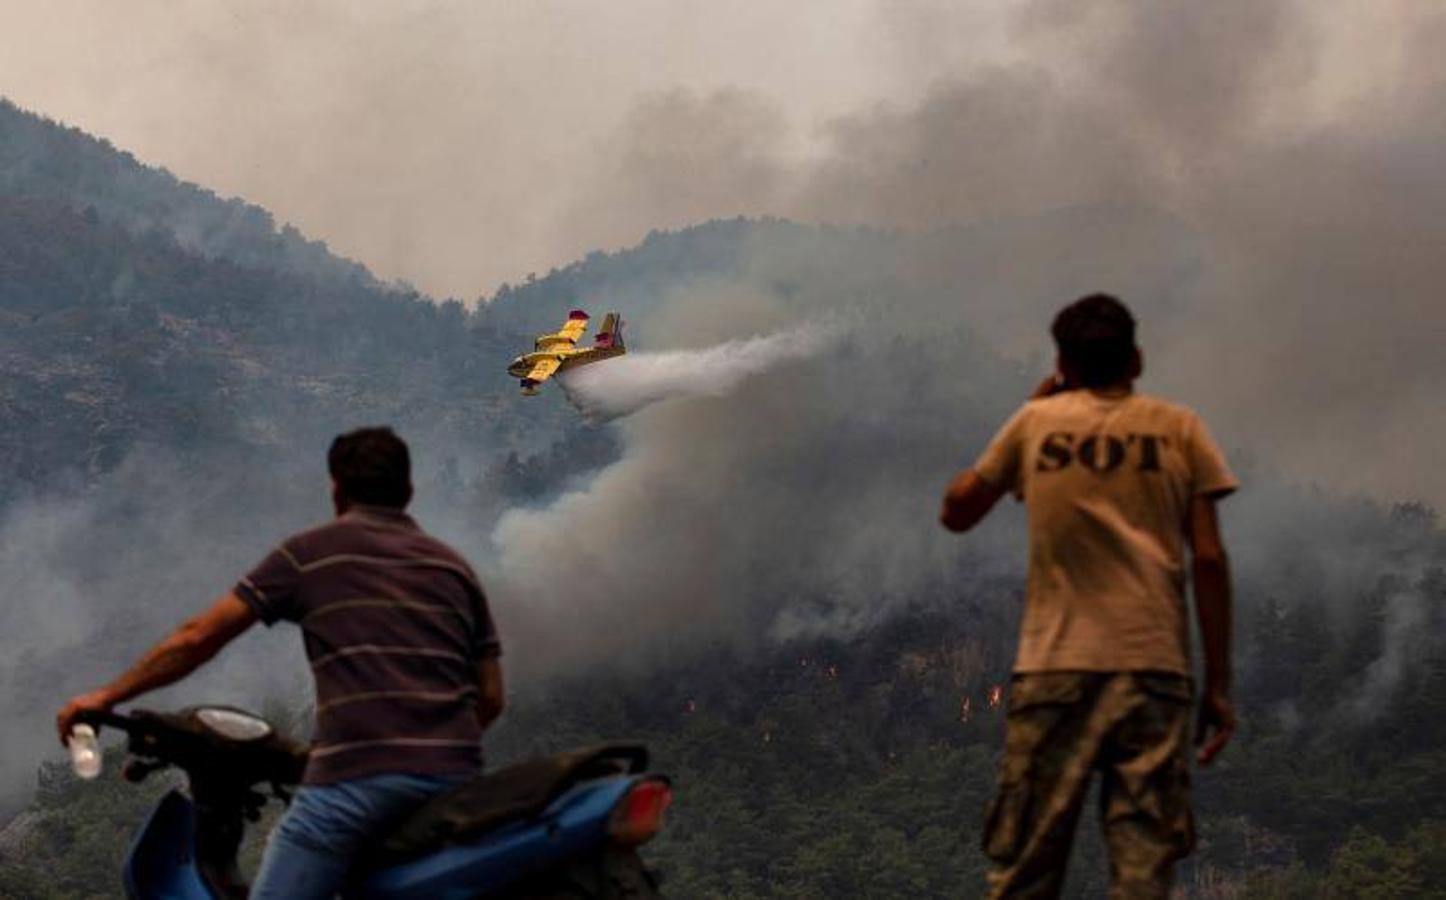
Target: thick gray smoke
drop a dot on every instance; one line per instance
(90, 581)
(1266, 198)
(1275, 222)
(1406, 640)
(805, 500)
(1297, 146)
(627, 384)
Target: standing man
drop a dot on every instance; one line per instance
(1117, 485)
(401, 645)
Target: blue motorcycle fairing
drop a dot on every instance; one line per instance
(161, 864)
(573, 823)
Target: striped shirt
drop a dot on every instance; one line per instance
(395, 625)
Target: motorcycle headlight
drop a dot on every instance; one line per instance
(233, 724)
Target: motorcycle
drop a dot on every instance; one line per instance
(567, 826)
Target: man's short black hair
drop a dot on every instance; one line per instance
(372, 466)
(1096, 338)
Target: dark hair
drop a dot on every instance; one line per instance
(371, 466)
(1096, 338)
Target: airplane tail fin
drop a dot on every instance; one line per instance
(610, 335)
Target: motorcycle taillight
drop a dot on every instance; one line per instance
(638, 817)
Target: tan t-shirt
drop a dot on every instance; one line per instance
(1107, 483)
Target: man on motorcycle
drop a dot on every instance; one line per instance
(1117, 484)
(401, 646)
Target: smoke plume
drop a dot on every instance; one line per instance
(627, 384)
(1257, 183)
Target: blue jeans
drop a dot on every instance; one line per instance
(312, 849)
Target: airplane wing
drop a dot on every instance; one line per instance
(566, 336)
(542, 370)
(575, 325)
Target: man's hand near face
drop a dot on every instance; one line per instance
(1050, 386)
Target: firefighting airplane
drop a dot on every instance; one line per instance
(558, 352)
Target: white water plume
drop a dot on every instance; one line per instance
(621, 386)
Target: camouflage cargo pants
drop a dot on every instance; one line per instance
(1132, 727)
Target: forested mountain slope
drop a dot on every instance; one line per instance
(114, 337)
(43, 158)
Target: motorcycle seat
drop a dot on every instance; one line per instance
(518, 791)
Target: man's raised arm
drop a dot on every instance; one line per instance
(971, 495)
(175, 657)
(968, 499)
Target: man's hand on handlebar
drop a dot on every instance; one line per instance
(95, 701)
(175, 657)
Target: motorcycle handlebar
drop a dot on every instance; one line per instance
(106, 718)
(208, 755)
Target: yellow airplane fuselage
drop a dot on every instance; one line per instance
(570, 358)
(558, 352)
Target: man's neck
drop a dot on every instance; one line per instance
(376, 510)
(1113, 391)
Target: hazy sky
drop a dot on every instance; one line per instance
(442, 142)
(447, 143)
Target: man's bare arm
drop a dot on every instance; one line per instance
(175, 657)
(1210, 567)
(491, 699)
(968, 499)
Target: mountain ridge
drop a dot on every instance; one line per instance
(94, 177)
